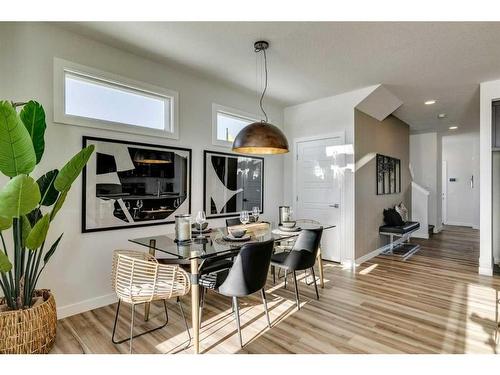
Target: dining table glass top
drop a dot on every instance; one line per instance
(214, 242)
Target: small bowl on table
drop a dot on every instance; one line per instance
(237, 233)
(288, 224)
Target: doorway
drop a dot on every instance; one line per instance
(458, 180)
(318, 190)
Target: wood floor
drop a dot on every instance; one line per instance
(433, 303)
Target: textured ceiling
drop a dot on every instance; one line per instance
(310, 60)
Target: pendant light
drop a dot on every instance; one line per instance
(261, 137)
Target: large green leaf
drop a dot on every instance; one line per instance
(38, 233)
(52, 249)
(47, 189)
(72, 169)
(58, 205)
(17, 155)
(5, 265)
(25, 229)
(5, 223)
(33, 118)
(19, 196)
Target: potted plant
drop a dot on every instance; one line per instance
(27, 209)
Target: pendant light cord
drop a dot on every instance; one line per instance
(265, 84)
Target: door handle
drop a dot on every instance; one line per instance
(335, 205)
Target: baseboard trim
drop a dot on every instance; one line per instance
(459, 224)
(372, 254)
(86, 305)
(486, 271)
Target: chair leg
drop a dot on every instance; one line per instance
(296, 289)
(140, 334)
(315, 283)
(132, 328)
(264, 301)
(237, 317)
(286, 274)
(273, 271)
(185, 321)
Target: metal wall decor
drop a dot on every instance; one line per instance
(128, 184)
(388, 175)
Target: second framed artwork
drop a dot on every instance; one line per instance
(232, 183)
(127, 184)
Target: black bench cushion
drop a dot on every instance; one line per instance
(407, 227)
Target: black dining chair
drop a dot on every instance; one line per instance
(301, 257)
(247, 276)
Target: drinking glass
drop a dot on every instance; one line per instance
(200, 220)
(255, 213)
(244, 217)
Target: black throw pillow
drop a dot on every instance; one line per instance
(393, 218)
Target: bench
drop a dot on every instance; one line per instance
(400, 246)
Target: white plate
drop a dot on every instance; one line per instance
(294, 229)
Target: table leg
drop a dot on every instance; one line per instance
(195, 303)
(147, 305)
(320, 266)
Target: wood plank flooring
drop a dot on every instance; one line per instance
(433, 303)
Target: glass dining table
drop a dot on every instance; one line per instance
(214, 243)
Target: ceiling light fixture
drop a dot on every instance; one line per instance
(430, 102)
(453, 127)
(261, 137)
(442, 115)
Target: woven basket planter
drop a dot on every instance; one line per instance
(29, 331)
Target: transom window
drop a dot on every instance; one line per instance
(87, 97)
(227, 123)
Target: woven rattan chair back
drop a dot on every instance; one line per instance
(138, 278)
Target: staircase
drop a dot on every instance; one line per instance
(420, 209)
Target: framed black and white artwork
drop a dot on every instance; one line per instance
(128, 184)
(233, 183)
(388, 175)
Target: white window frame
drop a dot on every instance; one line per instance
(61, 67)
(217, 108)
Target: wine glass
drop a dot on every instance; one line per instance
(255, 213)
(200, 220)
(244, 217)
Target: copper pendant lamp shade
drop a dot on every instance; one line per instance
(261, 137)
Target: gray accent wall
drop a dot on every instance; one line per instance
(389, 137)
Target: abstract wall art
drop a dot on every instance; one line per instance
(233, 183)
(128, 184)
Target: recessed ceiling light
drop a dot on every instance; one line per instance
(453, 127)
(429, 102)
(442, 115)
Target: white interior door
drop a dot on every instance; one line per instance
(319, 180)
(444, 186)
(459, 206)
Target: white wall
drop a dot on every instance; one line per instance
(489, 91)
(79, 273)
(461, 154)
(424, 163)
(322, 117)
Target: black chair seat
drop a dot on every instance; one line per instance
(407, 227)
(214, 280)
(278, 258)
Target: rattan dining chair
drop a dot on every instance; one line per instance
(138, 278)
